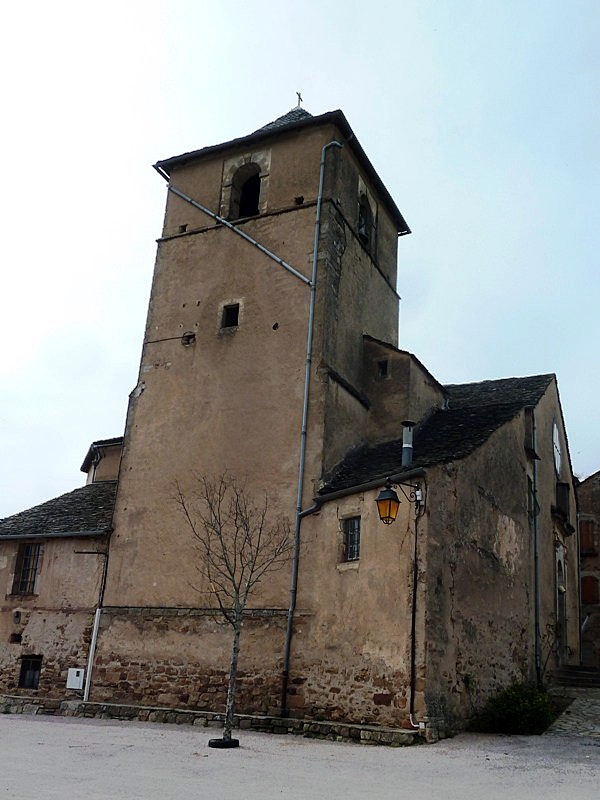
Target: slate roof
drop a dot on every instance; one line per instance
(293, 116)
(84, 511)
(475, 411)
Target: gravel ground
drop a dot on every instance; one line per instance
(80, 759)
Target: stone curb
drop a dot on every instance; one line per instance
(314, 729)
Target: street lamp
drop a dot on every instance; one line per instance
(388, 501)
(388, 504)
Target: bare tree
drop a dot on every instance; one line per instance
(238, 543)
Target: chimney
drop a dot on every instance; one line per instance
(407, 442)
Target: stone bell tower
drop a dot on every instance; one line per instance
(222, 370)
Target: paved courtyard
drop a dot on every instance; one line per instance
(81, 759)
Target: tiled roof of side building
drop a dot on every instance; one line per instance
(85, 510)
(474, 412)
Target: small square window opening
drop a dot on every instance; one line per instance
(351, 529)
(231, 316)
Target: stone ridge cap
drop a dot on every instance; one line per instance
(489, 382)
(525, 391)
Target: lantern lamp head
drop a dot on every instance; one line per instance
(387, 505)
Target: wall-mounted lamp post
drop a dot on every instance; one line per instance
(388, 501)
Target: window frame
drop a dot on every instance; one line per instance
(29, 676)
(27, 567)
(351, 539)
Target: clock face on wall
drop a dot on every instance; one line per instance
(556, 446)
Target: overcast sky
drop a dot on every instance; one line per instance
(481, 117)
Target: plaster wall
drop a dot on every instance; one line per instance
(68, 575)
(107, 468)
(232, 400)
(351, 646)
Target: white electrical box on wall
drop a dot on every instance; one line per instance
(75, 678)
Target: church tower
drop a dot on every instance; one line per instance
(222, 374)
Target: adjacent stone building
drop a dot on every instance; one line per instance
(52, 567)
(270, 353)
(588, 495)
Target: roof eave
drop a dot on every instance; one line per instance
(11, 537)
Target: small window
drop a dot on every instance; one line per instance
(383, 368)
(231, 316)
(365, 222)
(562, 499)
(586, 538)
(590, 596)
(29, 677)
(28, 559)
(351, 528)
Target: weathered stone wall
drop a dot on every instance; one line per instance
(588, 495)
(478, 626)
(62, 639)
(55, 621)
(180, 658)
(480, 569)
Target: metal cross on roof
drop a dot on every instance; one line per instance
(299, 99)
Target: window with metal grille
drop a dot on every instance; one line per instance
(28, 559)
(29, 677)
(351, 528)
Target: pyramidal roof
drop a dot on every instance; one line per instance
(294, 115)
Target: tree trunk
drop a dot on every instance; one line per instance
(235, 651)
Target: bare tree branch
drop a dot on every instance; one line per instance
(238, 543)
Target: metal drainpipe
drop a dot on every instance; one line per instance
(303, 435)
(413, 628)
(97, 615)
(536, 559)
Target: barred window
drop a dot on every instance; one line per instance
(28, 559)
(29, 677)
(351, 528)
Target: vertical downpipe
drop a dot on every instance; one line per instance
(303, 436)
(92, 653)
(536, 559)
